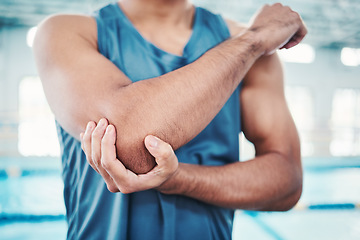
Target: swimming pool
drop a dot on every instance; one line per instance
(31, 204)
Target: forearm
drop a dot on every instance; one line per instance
(82, 85)
(268, 182)
(178, 105)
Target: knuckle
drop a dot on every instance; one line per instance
(93, 155)
(125, 191)
(86, 137)
(95, 160)
(264, 8)
(112, 188)
(105, 141)
(295, 15)
(175, 166)
(166, 153)
(105, 163)
(90, 162)
(172, 167)
(96, 134)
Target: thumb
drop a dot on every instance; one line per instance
(167, 162)
(159, 149)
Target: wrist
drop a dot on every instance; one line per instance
(253, 39)
(173, 184)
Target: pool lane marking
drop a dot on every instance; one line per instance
(327, 206)
(18, 217)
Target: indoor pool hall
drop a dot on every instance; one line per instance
(201, 94)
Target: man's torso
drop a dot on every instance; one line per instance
(95, 213)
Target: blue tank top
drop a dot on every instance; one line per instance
(95, 213)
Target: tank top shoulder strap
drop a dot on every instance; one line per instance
(215, 22)
(108, 21)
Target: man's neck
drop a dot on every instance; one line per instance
(172, 12)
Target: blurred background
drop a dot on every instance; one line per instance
(323, 93)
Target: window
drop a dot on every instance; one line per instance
(302, 53)
(37, 132)
(345, 122)
(300, 103)
(350, 56)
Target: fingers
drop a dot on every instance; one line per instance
(278, 26)
(98, 143)
(108, 158)
(91, 144)
(111, 165)
(158, 148)
(298, 36)
(96, 137)
(86, 143)
(108, 154)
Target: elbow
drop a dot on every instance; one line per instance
(131, 151)
(130, 147)
(293, 189)
(290, 193)
(292, 196)
(290, 201)
(284, 204)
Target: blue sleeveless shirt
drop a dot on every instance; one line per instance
(95, 213)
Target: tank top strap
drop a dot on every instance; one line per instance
(105, 19)
(215, 22)
(110, 20)
(209, 27)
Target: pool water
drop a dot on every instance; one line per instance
(31, 206)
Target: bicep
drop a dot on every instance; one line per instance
(78, 81)
(81, 85)
(266, 119)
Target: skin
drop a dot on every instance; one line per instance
(271, 181)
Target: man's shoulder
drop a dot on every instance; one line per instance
(69, 21)
(235, 27)
(66, 26)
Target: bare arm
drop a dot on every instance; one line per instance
(270, 181)
(82, 85)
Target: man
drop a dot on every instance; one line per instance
(167, 75)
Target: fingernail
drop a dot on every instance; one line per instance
(88, 127)
(102, 122)
(153, 141)
(109, 129)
